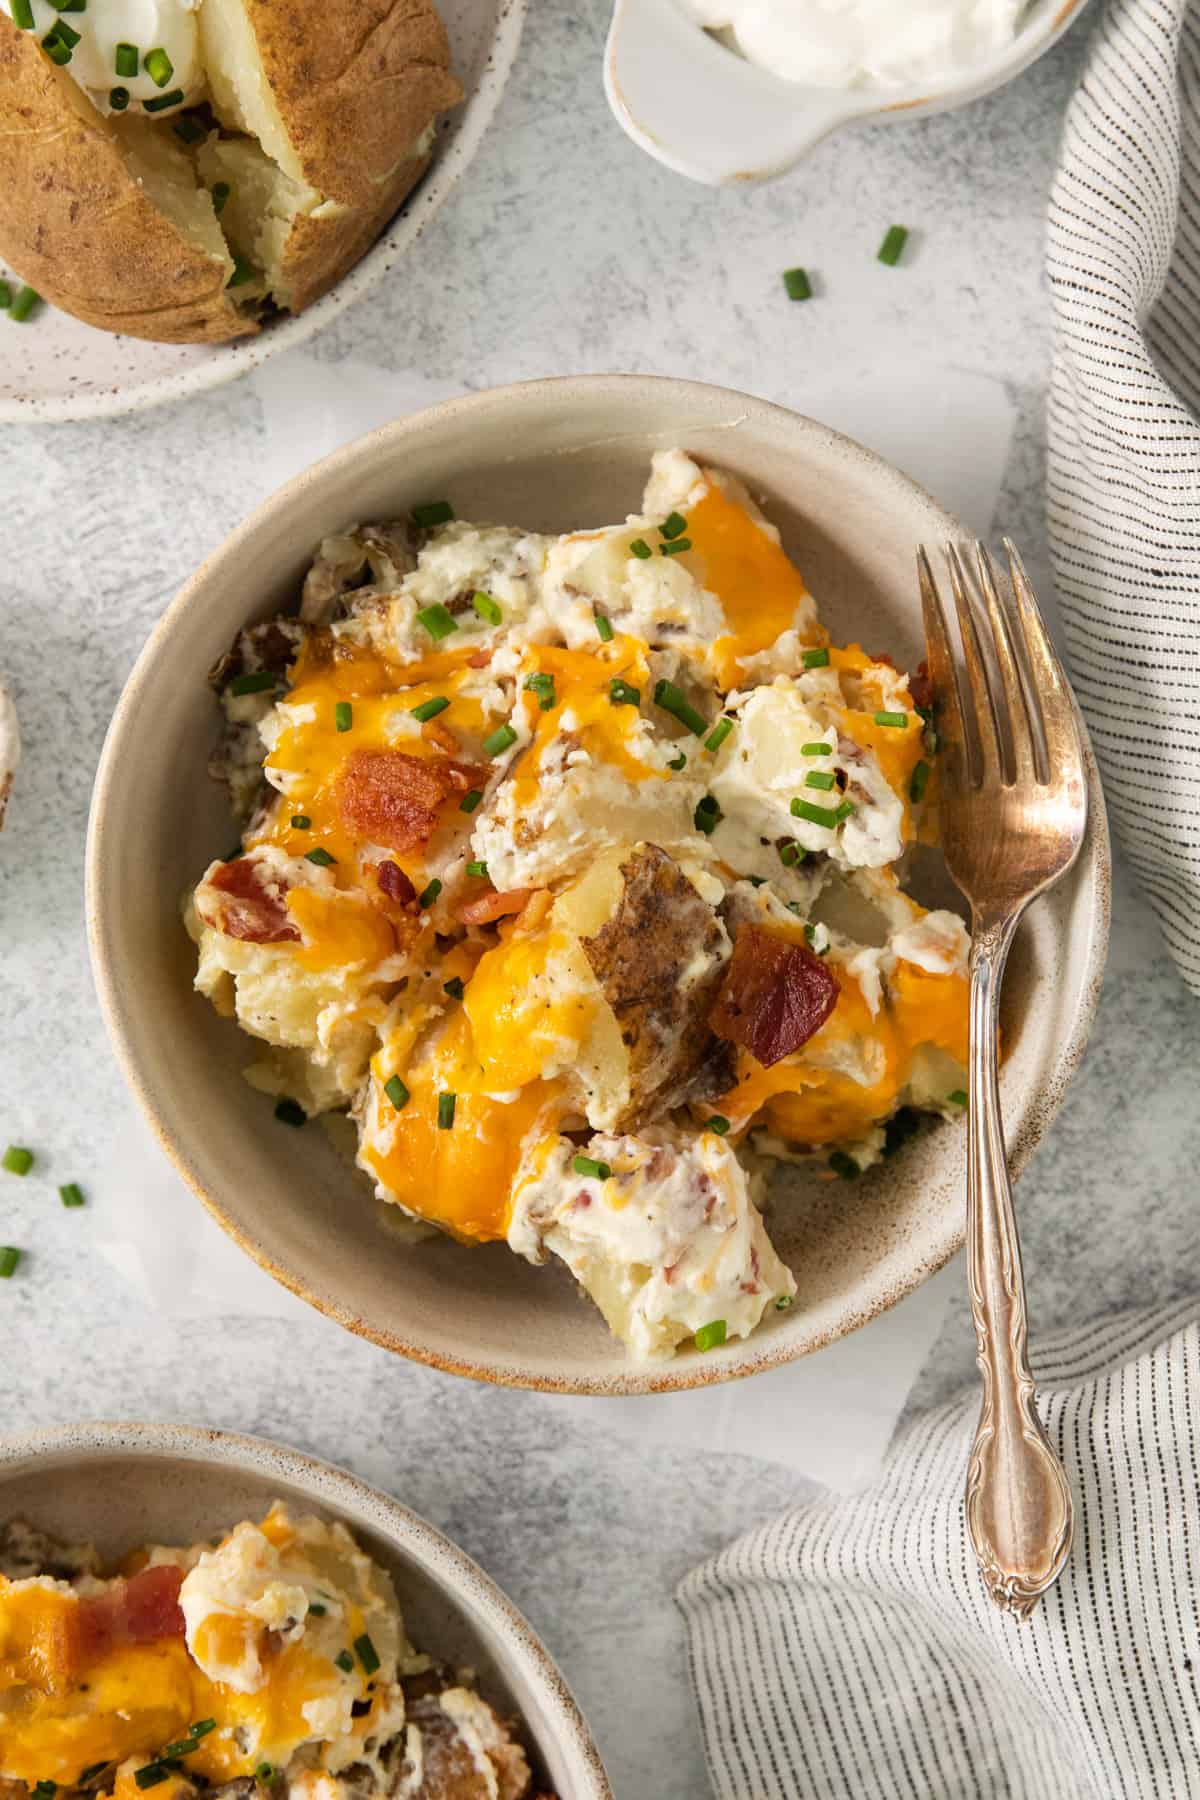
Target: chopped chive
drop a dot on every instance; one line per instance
(487, 608)
(69, 37)
(69, 5)
(162, 104)
(343, 716)
(22, 12)
(541, 684)
(669, 697)
(470, 801)
(783, 1302)
(202, 1727)
(718, 1123)
(434, 512)
(189, 130)
(5, 296)
(709, 1336)
(429, 894)
(588, 1165)
(892, 247)
(290, 1112)
(265, 1772)
(315, 1608)
(71, 1194)
(9, 1258)
(820, 778)
(757, 881)
(26, 300)
(815, 659)
(56, 46)
(345, 1661)
(957, 1098)
(796, 284)
(17, 1160)
(500, 740)
(125, 61)
(898, 720)
(478, 869)
(603, 627)
(243, 271)
(254, 681)
(150, 1775)
(367, 1654)
(718, 734)
(846, 810)
(919, 782)
(453, 987)
(172, 1752)
(641, 549)
(674, 525)
(301, 822)
(792, 853)
(220, 192)
(707, 816)
(676, 547)
(821, 749)
(844, 1165)
(44, 1790)
(816, 815)
(678, 762)
(621, 694)
(321, 857)
(437, 619)
(429, 709)
(118, 99)
(445, 1116)
(158, 67)
(399, 1096)
(810, 933)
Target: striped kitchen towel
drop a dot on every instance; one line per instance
(1123, 481)
(849, 1648)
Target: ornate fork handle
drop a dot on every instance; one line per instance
(1019, 1509)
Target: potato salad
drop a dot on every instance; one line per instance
(267, 1663)
(571, 871)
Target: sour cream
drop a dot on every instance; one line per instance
(863, 43)
(166, 25)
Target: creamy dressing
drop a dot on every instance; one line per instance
(170, 26)
(864, 43)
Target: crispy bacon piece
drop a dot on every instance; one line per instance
(441, 735)
(395, 883)
(253, 906)
(141, 1610)
(479, 659)
(389, 797)
(775, 995)
(492, 906)
(920, 686)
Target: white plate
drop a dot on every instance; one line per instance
(58, 368)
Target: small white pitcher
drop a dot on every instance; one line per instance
(709, 114)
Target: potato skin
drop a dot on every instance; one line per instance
(356, 84)
(76, 225)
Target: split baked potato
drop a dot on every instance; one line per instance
(189, 217)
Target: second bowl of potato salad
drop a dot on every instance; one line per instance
(580, 957)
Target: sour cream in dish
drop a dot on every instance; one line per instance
(571, 871)
(863, 43)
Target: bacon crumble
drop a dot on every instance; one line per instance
(775, 996)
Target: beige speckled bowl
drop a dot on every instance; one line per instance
(549, 455)
(123, 1485)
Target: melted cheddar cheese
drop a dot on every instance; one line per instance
(760, 590)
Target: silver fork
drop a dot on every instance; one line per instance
(1013, 814)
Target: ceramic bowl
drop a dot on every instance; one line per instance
(551, 456)
(69, 370)
(123, 1485)
(767, 123)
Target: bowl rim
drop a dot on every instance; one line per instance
(343, 1493)
(754, 1354)
(229, 361)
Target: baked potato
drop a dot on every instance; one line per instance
(188, 216)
